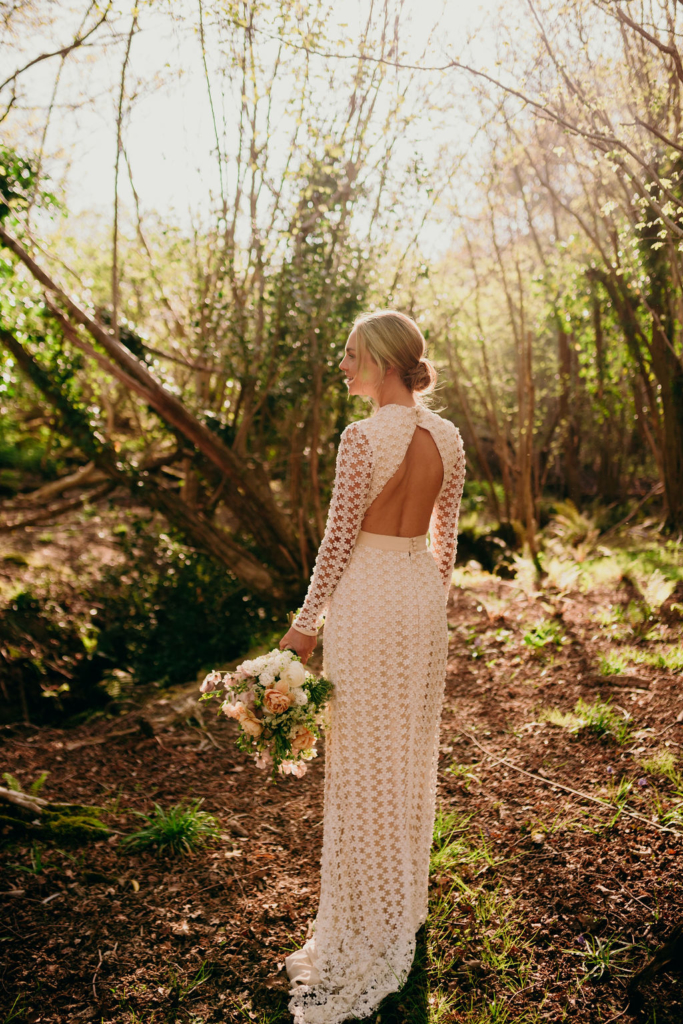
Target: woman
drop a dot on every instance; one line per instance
(384, 591)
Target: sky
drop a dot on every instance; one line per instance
(169, 136)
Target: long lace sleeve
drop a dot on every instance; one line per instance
(444, 523)
(347, 508)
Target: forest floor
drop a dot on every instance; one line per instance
(544, 901)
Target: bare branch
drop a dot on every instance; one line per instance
(117, 161)
(670, 51)
(63, 51)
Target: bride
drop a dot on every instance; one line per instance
(384, 589)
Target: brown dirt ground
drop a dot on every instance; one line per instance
(100, 933)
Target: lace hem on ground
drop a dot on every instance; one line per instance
(352, 991)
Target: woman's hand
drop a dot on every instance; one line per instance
(302, 644)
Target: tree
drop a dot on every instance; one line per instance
(245, 340)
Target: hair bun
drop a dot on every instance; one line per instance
(422, 377)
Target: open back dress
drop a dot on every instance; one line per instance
(386, 640)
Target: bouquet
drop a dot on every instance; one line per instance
(280, 708)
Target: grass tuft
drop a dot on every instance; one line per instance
(544, 634)
(619, 791)
(612, 664)
(180, 829)
(34, 789)
(615, 663)
(12, 781)
(452, 848)
(600, 718)
(562, 719)
(604, 957)
(662, 764)
(604, 720)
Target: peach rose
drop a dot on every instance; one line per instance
(233, 710)
(245, 717)
(250, 723)
(304, 740)
(276, 702)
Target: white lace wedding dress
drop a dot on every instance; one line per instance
(385, 650)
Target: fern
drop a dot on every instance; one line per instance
(16, 787)
(12, 782)
(37, 784)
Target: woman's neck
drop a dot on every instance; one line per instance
(393, 392)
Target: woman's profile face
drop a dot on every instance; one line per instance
(359, 380)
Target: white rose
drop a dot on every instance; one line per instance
(294, 675)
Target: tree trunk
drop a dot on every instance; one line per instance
(191, 523)
(525, 496)
(482, 461)
(669, 373)
(567, 417)
(262, 506)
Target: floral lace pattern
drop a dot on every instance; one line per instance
(386, 644)
(370, 453)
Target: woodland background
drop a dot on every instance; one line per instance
(170, 333)
(189, 368)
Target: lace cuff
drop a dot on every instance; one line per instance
(444, 522)
(347, 508)
(302, 629)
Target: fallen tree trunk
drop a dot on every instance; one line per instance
(25, 801)
(235, 497)
(251, 491)
(88, 474)
(27, 812)
(59, 509)
(192, 524)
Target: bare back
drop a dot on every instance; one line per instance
(404, 507)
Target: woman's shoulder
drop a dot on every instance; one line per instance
(449, 442)
(357, 435)
(445, 427)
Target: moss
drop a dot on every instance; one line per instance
(69, 826)
(63, 824)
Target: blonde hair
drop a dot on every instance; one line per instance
(394, 339)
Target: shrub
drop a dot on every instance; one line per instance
(170, 610)
(45, 665)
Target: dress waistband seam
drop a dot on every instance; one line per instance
(386, 542)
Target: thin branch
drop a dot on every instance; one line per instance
(63, 51)
(574, 792)
(213, 112)
(670, 51)
(119, 146)
(182, 362)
